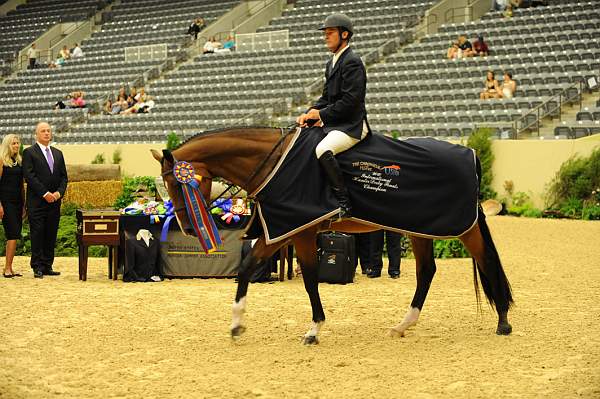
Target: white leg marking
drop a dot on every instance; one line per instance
(238, 309)
(314, 329)
(410, 319)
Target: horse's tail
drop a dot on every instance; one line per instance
(494, 281)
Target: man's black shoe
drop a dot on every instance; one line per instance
(38, 274)
(394, 274)
(51, 273)
(373, 274)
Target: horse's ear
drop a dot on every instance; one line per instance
(168, 156)
(156, 155)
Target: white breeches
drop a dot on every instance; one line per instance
(337, 141)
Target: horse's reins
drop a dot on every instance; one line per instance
(255, 173)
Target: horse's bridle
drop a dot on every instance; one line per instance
(255, 173)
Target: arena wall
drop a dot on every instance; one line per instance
(529, 164)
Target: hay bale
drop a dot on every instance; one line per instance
(95, 194)
(89, 172)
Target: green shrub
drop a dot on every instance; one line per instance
(130, 186)
(116, 157)
(520, 204)
(452, 248)
(172, 141)
(481, 143)
(575, 190)
(98, 159)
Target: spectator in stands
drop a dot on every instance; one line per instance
(64, 53)
(131, 97)
(12, 196)
(500, 5)
(465, 46)
(196, 27)
(78, 101)
(62, 104)
(491, 88)
(509, 86)
(480, 47)
(32, 54)
(76, 52)
(143, 104)
(107, 107)
(229, 44)
(453, 51)
(121, 103)
(508, 12)
(211, 45)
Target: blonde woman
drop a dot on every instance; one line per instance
(11, 198)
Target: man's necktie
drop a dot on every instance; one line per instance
(50, 159)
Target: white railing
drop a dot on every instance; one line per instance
(279, 39)
(146, 53)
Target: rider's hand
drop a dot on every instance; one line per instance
(301, 120)
(312, 114)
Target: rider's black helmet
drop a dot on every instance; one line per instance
(340, 21)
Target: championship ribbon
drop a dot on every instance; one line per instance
(201, 220)
(169, 215)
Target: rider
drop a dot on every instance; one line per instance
(341, 109)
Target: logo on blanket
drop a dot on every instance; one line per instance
(375, 177)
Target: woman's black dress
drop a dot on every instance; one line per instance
(11, 197)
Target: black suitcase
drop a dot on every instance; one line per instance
(337, 258)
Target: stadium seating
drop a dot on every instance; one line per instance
(31, 95)
(23, 25)
(414, 92)
(420, 92)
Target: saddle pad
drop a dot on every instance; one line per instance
(420, 186)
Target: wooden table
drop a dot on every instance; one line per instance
(98, 227)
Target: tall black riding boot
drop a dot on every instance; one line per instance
(335, 177)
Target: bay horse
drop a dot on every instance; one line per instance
(245, 156)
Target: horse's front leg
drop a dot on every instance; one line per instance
(423, 251)
(260, 252)
(306, 250)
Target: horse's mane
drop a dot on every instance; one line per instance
(222, 130)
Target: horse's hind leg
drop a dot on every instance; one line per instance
(495, 285)
(423, 251)
(260, 252)
(306, 251)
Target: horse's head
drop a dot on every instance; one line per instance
(167, 162)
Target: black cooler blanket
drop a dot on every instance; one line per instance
(419, 186)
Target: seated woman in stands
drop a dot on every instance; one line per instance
(142, 105)
(131, 97)
(107, 107)
(465, 47)
(120, 104)
(491, 88)
(65, 54)
(480, 47)
(453, 51)
(211, 46)
(229, 44)
(509, 86)
(78, 101)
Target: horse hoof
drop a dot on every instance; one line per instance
(504, 329)
(237, 332)
(310, 340)
(395, 333)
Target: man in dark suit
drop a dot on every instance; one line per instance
(45, 172)
(341, 109)
(394, 252)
